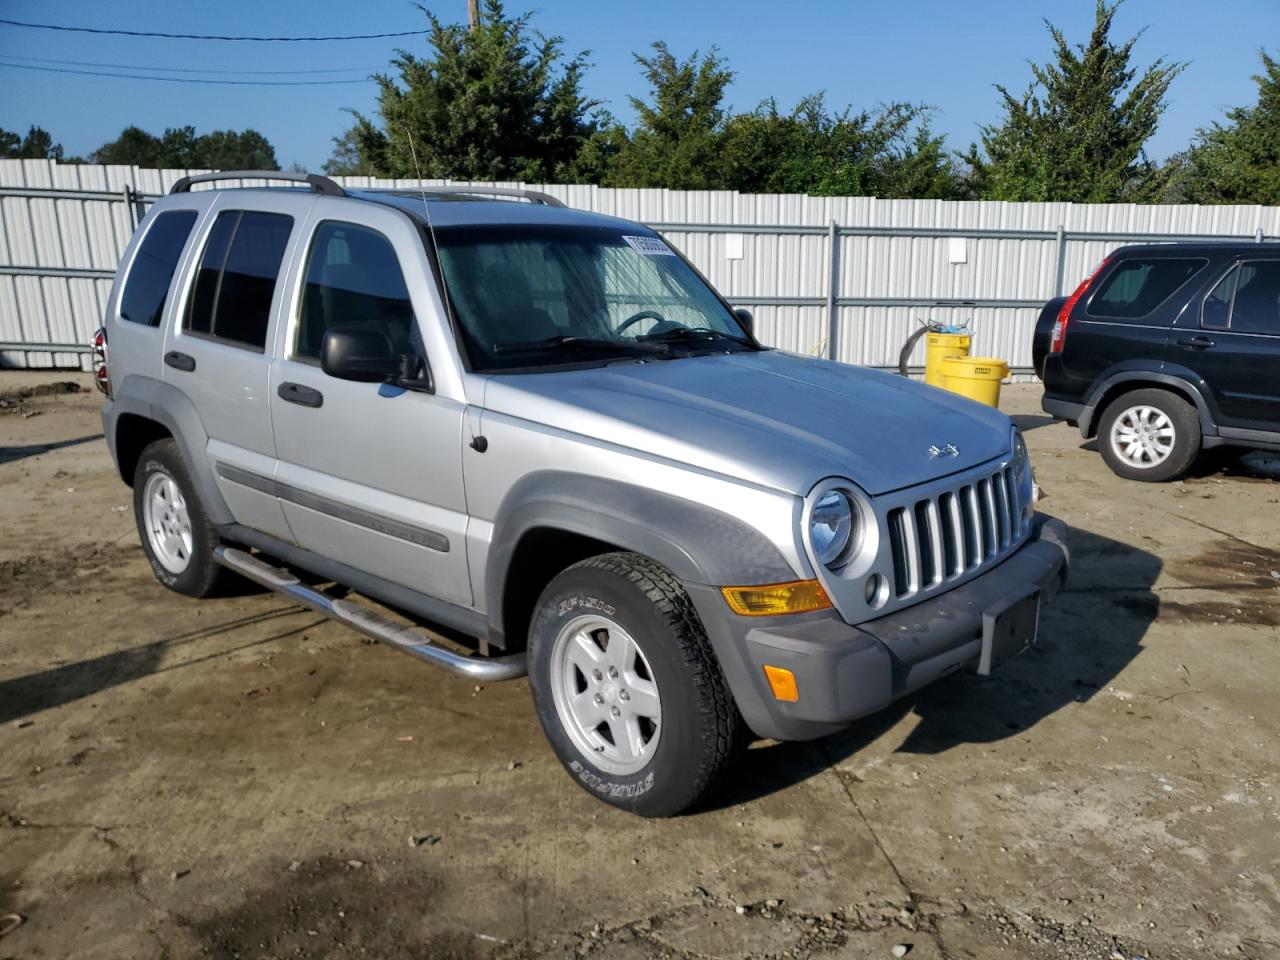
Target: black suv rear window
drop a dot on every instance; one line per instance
(1136, 287)
(231, 300)
(147, 286)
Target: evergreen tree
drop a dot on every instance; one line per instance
(182, 148)
(678, 140)
(1079, 131)
(36, 145)
(1239, 162)
(889, 153)
(494, 102)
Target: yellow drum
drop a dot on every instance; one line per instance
(977, 378)
(939, 346)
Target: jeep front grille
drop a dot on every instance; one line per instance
(947, 535)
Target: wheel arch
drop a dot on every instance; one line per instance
(142, 410)
(1184, 383)
(134, 433)
(551, 519)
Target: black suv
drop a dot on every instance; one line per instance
(1167, 349)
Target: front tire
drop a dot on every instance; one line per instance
(1149, 434)
(176, 534)
(627, 688)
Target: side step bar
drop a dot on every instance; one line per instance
(403, 637)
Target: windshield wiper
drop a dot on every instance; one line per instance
(679, 334)
(575, 343)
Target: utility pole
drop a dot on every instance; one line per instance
(473, 13)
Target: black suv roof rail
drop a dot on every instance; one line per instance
(317, 183)
(519, 193)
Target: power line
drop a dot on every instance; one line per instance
(205, 36)
(139, 76)
(126, 66)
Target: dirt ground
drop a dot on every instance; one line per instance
(240, 778)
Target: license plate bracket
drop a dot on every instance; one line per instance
(1009, 627)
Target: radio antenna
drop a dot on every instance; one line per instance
(431, 230)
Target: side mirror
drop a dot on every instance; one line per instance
(358, 352)
(746, 319)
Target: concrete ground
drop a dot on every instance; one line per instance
(240, 778)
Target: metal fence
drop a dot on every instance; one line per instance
(843, 277)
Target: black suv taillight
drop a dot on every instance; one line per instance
(100, 375)
(1059, 335)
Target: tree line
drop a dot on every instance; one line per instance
(497, 100)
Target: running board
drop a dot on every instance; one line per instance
(404, 637)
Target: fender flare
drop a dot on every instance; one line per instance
(1184, 381)
(165, 404)
(698, 544)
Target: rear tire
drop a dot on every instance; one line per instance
(176, 534)
(627, 688)
(1149, 434)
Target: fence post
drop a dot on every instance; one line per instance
(129, 205)
(833, 291)
(1062, 261)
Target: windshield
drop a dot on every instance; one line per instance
(536, 295)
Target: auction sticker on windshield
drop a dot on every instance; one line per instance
(649, 246)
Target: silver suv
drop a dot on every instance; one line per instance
(542, 429)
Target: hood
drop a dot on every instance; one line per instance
(774, 419)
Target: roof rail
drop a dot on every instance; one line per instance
(534, 196)
(318, 183)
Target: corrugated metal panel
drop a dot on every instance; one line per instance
(61, 234)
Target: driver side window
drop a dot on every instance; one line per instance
(353, 277)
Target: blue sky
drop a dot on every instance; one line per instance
(946, 54)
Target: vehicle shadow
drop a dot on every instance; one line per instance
(13, 454)
(1088, 635)
(23, 696)
(1223, 461)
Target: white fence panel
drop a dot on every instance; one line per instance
(63, 228)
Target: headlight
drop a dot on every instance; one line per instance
(1022, 474)
(832, 525)
(1021, 460)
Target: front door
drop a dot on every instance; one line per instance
(1235, 347)
(368, 474)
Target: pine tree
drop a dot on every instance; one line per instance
(1239, 162)
(1079, 132)
(677, 140)
(493, 102)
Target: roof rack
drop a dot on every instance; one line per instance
(533, 196)
(318, 183)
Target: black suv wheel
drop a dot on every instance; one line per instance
(1149, 435)
(627, 688)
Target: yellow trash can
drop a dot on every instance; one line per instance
(939, 346)
(977, 378)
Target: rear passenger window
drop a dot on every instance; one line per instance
(1257, 303)
(1137, 287)
(231, 300)
(353, 277)
(147, 286)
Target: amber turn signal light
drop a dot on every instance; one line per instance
(799, 596)
(782, 682)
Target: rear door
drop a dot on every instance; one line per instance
(1233, 343)
(217, 352)
(1128, 315)
(369, 474)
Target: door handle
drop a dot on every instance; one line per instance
(297, 393)
(1197, 343)
(180, 361)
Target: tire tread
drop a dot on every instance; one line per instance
(721, 727)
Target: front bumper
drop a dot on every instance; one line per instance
(844, 672)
